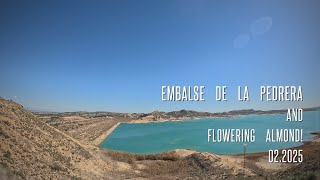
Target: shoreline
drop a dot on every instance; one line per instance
(258, 161)
(146, 120)
(261, 153)
(181, 119)
(315, 140)
(97, 142)
(103, 136)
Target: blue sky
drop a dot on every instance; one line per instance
(116, 55)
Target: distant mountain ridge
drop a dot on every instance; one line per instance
(170, 115)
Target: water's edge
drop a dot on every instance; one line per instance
(100, 139)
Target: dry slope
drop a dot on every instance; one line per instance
(31, 149)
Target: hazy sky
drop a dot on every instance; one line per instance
(115, 55)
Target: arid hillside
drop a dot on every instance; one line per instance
(85, 127)
(31, 149)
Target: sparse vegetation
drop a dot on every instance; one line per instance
(7, 155)
(130, 158)
(57, 167)
(34, 145)
(309, 175)
(20, 174)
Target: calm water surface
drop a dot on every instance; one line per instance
(192, 134)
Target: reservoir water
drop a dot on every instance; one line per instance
(193, 134)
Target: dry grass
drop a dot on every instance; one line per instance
(131, 158)
(171, 166)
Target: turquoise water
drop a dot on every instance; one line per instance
(192, 134)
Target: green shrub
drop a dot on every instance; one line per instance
(7, 155)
